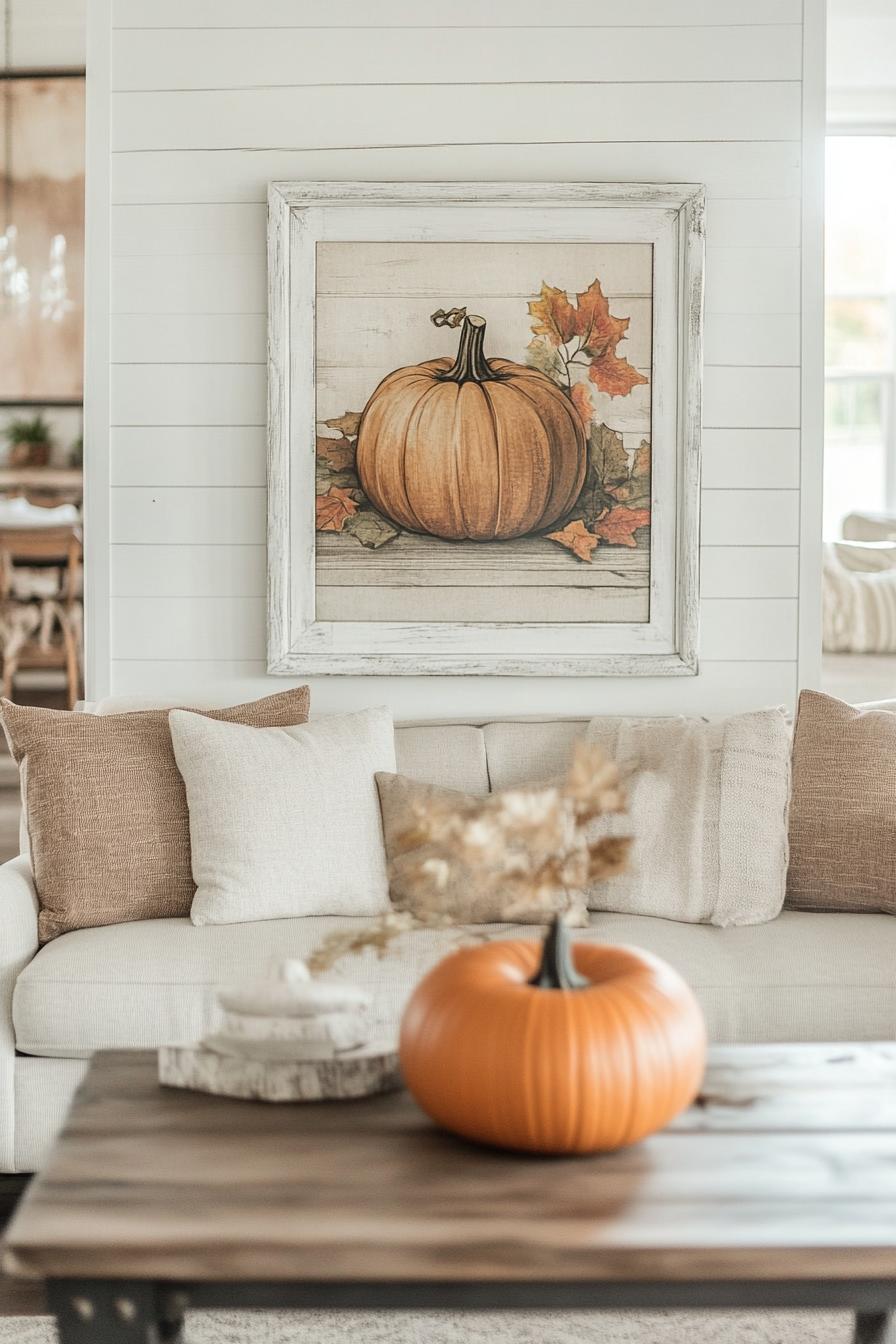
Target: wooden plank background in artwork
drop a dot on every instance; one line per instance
(784, 1169)
(188, 286)
(417, 578)
(373, 309)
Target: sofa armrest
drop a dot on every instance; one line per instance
(18, 944)
(18, 936)
(18, 923)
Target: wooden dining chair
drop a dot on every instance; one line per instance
(62, 546)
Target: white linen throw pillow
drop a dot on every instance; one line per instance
(708, 811)
(285, 821)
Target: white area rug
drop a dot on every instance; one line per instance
(343, 1327)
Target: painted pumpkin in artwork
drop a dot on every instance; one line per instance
(475, 449)
(564, 1050)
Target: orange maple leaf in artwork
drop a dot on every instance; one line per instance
(617, 526)
(576, 538)
(581, 399)
(555, 316)
(614, 375)
(600, 333)
(333, 508)
(594, 324)
(347, 424)
(592, 328)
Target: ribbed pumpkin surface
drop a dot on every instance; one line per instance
(552, 1070)
(484, 461)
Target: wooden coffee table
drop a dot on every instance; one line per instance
(777, 1189)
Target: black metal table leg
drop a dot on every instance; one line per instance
(874, 1327)
(135, 1311)
(111, 1311)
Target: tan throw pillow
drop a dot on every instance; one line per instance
(466, 898)
(106, 809)
(843, 808)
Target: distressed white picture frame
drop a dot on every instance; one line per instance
(670, 217)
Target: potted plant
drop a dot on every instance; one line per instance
(30, 441)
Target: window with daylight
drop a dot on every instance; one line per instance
(860, 335)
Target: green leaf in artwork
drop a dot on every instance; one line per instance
(541, 355)
(641, 464)
(593, 501)
(370, 528)
(635, 492)
(325, 477)
(606, 453)
(608, 468)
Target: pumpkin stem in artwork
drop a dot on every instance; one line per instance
(556, 970)
(471, 364)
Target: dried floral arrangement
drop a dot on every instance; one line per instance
(573, 344)
(534, 846)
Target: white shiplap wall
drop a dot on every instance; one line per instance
(43, 34)
(209, 101)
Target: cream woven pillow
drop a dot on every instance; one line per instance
(708, 811)
(285, 821)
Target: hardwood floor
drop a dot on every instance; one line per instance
(18, 1297)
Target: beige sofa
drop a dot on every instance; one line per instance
(802, 977)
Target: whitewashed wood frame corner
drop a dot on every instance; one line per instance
(670, 215)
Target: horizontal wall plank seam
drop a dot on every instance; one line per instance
(254, 205)
(123, 92)
(729, 662)
(427, 28)
(437, 144)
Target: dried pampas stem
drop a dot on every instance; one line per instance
(533, 847)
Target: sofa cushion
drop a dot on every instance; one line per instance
(809, 977)
(451, 755)
(521, 753)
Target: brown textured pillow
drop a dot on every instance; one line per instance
(106, 809)
(466, 898)
(842, 808)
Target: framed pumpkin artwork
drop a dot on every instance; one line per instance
(484, 422)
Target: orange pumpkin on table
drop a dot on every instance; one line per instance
(510, 1044)
(477, 449)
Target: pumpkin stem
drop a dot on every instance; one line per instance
(556, 970)
(471, 364)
